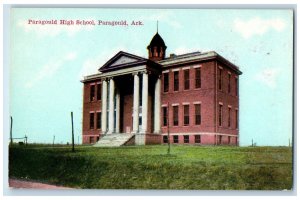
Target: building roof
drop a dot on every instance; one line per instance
(189, 58)
(124, 60)
(157, 41)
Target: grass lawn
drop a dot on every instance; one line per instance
(149, 167)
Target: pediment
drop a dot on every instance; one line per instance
(123, 60)
(120, 60)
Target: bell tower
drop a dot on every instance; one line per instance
(157, 48)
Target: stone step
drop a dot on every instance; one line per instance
(113, 140)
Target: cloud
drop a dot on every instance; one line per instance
(52, 29)
(268, 77)
(50, 69)
(257, 26)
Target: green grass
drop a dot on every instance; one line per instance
(149, 167)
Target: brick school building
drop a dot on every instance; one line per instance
(136, 100)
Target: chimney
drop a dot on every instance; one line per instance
(172, 55)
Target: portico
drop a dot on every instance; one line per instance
(137, 85)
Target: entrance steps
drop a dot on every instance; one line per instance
(113, 140)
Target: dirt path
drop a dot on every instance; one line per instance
(15, 183)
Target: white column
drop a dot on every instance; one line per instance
(145, 102)
(157, 105)
(104, 106)
(117, 111)
(136, 103)
(111, 106)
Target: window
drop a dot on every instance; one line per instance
(220, 114)
(175, 138)
(197, 138)
(198, 78)
(186, 79)
(91, 140)
(98, 91)
(98, 120)
(236, 86)
(186, 139)
(176, 81)
(186, 111)
(165, 116)
(155, 52)
(165, 139)
(175, 115)
(229, 84)
(229, 116)
(220, 139)
(220, 79)
(237, 119)
(92, 120)
(166, 82)
(92, 93)
(197, 114)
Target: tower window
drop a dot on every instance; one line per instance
(92, 93)
(176, 81)
(198, 78)
(186, 79)
(155, 52)
(166, 82)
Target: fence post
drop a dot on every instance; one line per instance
(72, 133)
(11, 125)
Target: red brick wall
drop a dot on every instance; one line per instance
(228, 99)
(153, 139)
(205, 95)
(209, 99)
(89, 106)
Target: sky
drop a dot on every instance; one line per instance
(47, 63)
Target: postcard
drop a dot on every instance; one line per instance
(173, 99)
